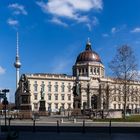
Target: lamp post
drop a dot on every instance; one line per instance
(5, 102)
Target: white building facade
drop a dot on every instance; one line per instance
(86, 88)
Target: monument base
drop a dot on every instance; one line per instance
(42, 106)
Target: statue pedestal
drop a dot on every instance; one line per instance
(42, 106)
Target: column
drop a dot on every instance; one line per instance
(89, 100)
(77, 72)
(88, 71)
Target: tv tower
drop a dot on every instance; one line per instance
(17, 63)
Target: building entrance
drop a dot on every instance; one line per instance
(94, 101)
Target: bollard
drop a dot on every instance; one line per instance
(34, 125)
(110, 127)
(9, 123)
(83, 126)
(58, 130)
(62, 120)
(74, 120)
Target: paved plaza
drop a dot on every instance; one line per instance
(71, 130)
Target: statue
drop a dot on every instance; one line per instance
(25, 82)
(42, 101)
(42, 94)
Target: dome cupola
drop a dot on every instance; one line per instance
(88, 63)
(88, 55)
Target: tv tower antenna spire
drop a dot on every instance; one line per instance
(17, 63)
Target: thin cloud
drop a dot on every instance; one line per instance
(105, 35)
(18, 9)
(2, 70)
(58, 21)
(76, 10)
(12, 22)
(114, 30)
(136, 30)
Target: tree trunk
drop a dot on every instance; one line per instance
(125, 100)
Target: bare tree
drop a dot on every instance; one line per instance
(124, 67)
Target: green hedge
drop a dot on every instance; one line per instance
(132, 118)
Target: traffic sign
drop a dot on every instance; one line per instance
(5, 90)
(2, 95)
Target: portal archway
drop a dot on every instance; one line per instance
(94, 101)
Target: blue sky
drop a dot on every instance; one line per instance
(53, 32)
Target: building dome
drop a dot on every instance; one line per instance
(88, 55)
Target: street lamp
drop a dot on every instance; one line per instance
(5, 102)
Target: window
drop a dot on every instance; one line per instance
(49, 107)
(56, 97)
(35, 106)
(91, 70)
(49, 87)
(56, 106)
(63, 106)
(35, 86)
(127, 98)
(128, 106)
(43, 86)
(98, 71)
(94, 70)
(69, 105)
(136, 106)
(123, 98)
(35, 96)
(114, 106)
(69, 87)
(132, 99)
(62, 97)
(49, 97)
(119, 106)
(115, 98)
(62, 87)
(56, 87)
(119, 98)
(132, 106)
(69, 97)
(83, 70)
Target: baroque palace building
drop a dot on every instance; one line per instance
(87, 88)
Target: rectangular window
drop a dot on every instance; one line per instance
(43, 86)
(69, 106)
(91, 70)
(127, 98)
(49, 107)
(63, 106)
(49, 87)
(132, 106)
(56, 106)
(35, 106)
(56, 87)
(56, 97)
(69, 87)
(119, 106)
(119, 98)
(62, 97)
(35, 86)
(69, 97)
(62, 87)
(49, 97)
(114, 106)
(114, 98)
(128, 106)
(35, 96)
